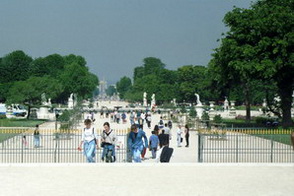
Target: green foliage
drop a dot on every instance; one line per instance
(23, 80)
(65, 116)
(19, 122)
(192, 112)
(14, 67)
(205, 116)
(258, 46)
(29, 92)
(123, 85)
(77, 79)
(191, 80)
(183, 109)
(2, 116)
(111, 90)
(51, 65)
(217, 119)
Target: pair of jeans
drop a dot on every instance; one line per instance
(106, 148)
(137, 153)
(179, 140)
(37, 141)
(90, 150)
(153, 151)
(187, 139)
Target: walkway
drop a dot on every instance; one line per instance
(147, 179)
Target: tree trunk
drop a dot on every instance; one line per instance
(29, 111)
(285, 90)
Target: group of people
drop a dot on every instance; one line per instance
(90, 142)
(137, 142)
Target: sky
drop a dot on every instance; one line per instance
(114, 36)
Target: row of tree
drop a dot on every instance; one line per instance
(23, 79)
(255, 61)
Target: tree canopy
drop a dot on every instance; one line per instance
(24, 79)
(259, 46)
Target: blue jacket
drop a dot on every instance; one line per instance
(154, 141)
(137, 142)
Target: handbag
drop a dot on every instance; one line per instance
(181, 139)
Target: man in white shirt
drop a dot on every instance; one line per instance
(89, 136)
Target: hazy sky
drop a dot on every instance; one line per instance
(115, 36)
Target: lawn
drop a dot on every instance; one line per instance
(19, 122)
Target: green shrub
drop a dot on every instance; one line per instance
(217, 119)
(192, 112)
(65, 116)
(263, 120)
(2, 116)
(205, 116)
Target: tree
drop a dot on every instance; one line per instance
(77, 79)
(111, 90)
(123, 85)
(51, 65)
(75, 59)
(259, 45)
(29, 92)
(15, 67)
(152, 65)
(191, 80)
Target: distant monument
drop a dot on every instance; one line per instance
(174, 101)
(198, 102)
(226, 104)
(264, 105)
(145, 99)
(70, 103)
(199, 107)
(153, 102)
(43, 112)
(43, 99)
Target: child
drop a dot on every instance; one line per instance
(153, 144)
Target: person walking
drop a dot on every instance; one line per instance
(153, 144)
(163, 139)
(108, 141)
(161, 123)
(24, 141)
(135, 142)
(148, 119)
(89, 141)
(179, 136)
(187, 135)
(37, 137)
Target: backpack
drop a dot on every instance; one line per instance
(161, 122)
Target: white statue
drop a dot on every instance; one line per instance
(226, 104)
(198, 100)
(43, 99)
(145, 99)
(174, 101)
(264, 103)
(49, 102)
(153, 102)
(70, 101)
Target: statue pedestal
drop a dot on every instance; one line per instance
(70, 104)
(43, 113)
